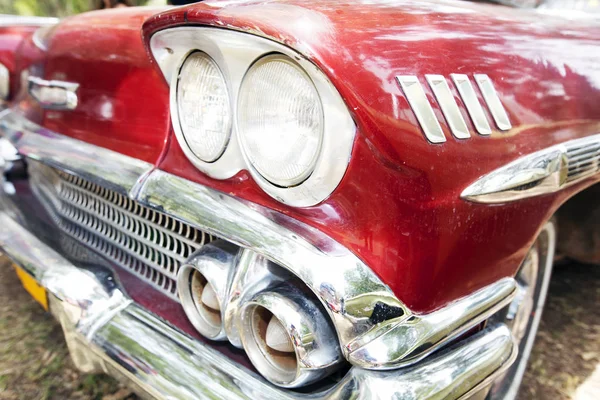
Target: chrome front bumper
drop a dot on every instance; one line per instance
(107, 332)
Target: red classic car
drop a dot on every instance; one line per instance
(299, 199)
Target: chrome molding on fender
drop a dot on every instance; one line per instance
(366, 314)
(102, 166)
(423, 111)
(408, 341)
(469, 98)
(442, 93)
(493, 101)
(18, 20)
(439, 86)
(545, 171)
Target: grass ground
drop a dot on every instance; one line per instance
(34, 363)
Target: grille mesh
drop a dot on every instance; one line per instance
(583, 159)
(148, 243)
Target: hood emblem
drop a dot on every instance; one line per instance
(423, 110)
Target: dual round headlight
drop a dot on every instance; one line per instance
(204, 107)
(279, 116)
(280, 120)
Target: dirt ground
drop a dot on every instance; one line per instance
(567, 347)
(34, 363)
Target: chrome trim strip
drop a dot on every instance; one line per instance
(583, 158)
(493, 101)
(54, 95)
(543, 172)
(18, 20)
(234, 52)
(50, 270)
(422, 108)
(469, 98)
(41, 36)
(192, 370)
(445, 98)
(533, 175)
(107, 333)
(106, 167)
(409, 341)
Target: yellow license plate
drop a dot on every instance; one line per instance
(33, 288)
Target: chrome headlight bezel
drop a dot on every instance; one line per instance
(234, 53)
(253, 161)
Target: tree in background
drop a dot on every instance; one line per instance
(56, 8)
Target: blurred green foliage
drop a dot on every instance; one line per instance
(53, 8)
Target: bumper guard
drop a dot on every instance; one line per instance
(106, 332)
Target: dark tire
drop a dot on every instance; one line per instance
(523, 315)
(579, 222)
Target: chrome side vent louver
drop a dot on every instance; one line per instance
(583, 160)
(148, 243)
(417, 98)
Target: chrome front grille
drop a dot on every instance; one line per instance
(583, 159)
(148, 243)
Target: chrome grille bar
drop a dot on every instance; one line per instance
(148, 243)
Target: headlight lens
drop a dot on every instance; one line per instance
(204, 107)
(4, 82)
(280, 120)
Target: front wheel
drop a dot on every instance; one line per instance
(523, 314)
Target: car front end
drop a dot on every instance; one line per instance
(290, 200)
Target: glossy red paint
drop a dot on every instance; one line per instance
(30, 60)
(398, 206)
(123, 102)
